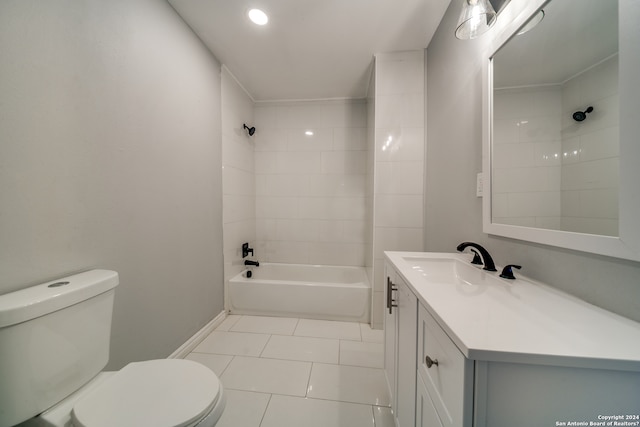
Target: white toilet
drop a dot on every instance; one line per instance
(54, 341)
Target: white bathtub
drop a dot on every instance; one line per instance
(307, 291)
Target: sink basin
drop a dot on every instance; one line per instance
(445, 269)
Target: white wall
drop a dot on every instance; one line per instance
(110, 158)
(453, 213)
(371, 148)
(238, 175)
(310, 189)
(399, 162)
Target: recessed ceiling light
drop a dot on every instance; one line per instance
(258, 17)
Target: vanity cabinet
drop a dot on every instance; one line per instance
(400, 347)
(447, 375)
(499, 354)
(426, 414)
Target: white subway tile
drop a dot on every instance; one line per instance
(265, 117)
(399, 178)
(266, 162)
(300, 163)
(270, 140)
(399, 144)
(399, 210)
(320, 139)
(406, 110)
(352, 138)
(397, 239)
(344, 114)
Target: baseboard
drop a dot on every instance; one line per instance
(197, 338)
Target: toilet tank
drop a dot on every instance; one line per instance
(54, 338)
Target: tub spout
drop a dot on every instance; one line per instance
(254, 263)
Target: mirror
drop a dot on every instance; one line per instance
(555, 138)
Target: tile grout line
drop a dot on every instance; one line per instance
(373, 415)
(306, 390)
(293, 334)
(266, 408)
(225, 368)
(265, 346)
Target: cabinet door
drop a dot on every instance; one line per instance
(426, 415)
(407, 328)
(390, 334)
(447, 374)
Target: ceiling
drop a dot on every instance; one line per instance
(310, 49)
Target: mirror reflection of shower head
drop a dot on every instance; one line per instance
(250, 130)
(579, 116)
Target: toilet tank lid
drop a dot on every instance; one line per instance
(35, 301)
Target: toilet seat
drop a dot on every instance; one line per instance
(159, 393)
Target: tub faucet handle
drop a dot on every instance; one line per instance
(246, 250)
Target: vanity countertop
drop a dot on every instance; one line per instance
(521, 321)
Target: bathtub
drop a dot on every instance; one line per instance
(306, 291)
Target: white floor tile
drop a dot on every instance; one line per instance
(328, 329)
(243, 409)
(265, 325)
(383, 417)
(302, 348)
(233, 343)
(371, 335)
(228, 322)
(216, 362)
(286, 411)
(357, 353)
(267, 375)
(347, 384)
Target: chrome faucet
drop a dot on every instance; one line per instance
(486, 258)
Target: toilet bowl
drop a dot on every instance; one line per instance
(54, 343)
(159, 393)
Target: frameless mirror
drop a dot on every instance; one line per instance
(555, 138)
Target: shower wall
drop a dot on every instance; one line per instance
(526, 150)
(399, 157)
(310, 178)
(238, 178)
(590, 151)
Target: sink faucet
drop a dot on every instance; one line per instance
(486, 258)
(249, 262)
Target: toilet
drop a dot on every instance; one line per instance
(54, 343)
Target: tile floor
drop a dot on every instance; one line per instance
(280, 372)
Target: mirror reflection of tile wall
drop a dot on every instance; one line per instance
(551, 171)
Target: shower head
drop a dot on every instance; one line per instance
(250, 130)
(579, 116)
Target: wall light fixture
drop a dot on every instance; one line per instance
(477, 17)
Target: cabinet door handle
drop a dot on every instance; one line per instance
(390, 300)
(430, 362)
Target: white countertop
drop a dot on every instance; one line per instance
(522, 321)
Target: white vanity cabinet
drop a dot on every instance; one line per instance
(400, 347)
(426, 414)
(464, 348)
(445, 372)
